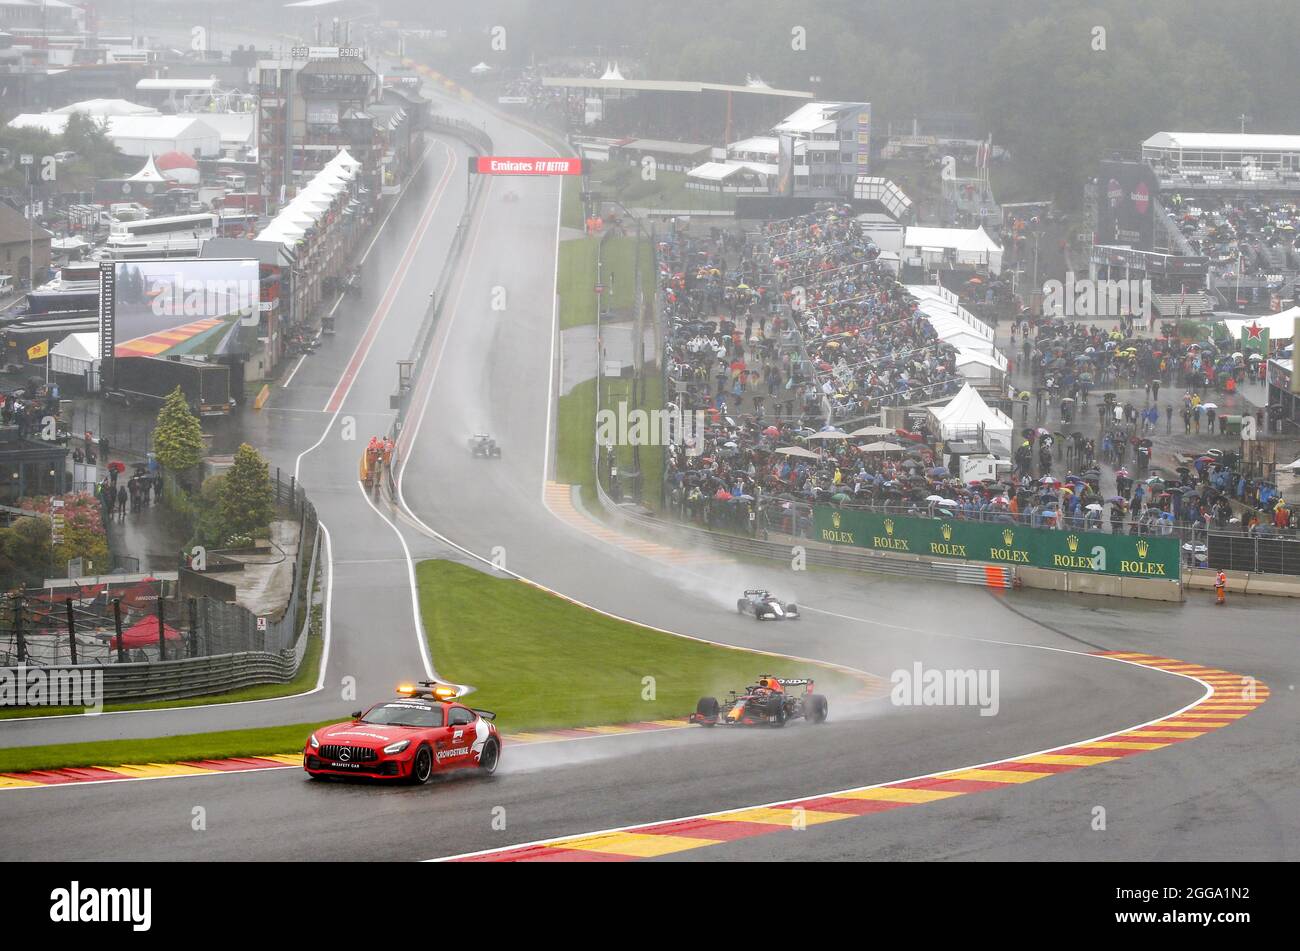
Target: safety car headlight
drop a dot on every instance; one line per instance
(397, 747)
(315, 743)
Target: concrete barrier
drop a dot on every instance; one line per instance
(1245, 582)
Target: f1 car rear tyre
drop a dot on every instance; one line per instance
(422, 768)
(780, 717)
(818, 709)
(740, 607)
(707, 708)
(489, 758)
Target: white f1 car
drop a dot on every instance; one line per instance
(765, 606)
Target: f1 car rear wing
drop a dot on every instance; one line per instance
(801, 682)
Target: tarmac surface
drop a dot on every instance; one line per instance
(1229, 794)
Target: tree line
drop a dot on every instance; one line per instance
(1061, 84)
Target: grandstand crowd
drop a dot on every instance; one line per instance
(767, 374)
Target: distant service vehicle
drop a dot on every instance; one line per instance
(766, 703)
(481, 445)
(425, 730)
(764, 605)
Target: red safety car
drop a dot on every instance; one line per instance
(426, 729)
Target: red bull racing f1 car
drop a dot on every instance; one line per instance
(766, 703)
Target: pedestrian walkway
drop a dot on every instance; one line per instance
(147, 535)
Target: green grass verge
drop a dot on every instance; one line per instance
(668, 190)
(543, 663)
(303, 681)
(575, 434)
(577, 280)
(571, 202)
(264, 741)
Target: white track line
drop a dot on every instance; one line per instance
(415, 595)
(293, 372)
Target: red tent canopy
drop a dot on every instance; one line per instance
(144, 633)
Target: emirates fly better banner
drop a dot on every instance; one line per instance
(1131, 556)
(523, 165)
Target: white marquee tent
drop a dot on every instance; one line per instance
(971, 246)
(1280, 326)
(967, 413)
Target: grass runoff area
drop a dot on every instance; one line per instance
(541, 662)
(614, 180)
(577, 278)
(668, 190)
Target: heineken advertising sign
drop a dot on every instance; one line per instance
(1131, 556)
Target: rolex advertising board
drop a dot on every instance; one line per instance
(1130, 556)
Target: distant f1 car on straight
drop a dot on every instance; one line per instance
(766, 703)
(763, 605)
(481, 445)
(423, 731)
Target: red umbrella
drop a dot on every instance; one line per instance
(116, 466)
(144, 633)
(771, 431)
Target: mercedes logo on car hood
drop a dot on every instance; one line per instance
(345, 754)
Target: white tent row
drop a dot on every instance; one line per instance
(978, 360)
(942, 307)
(309, 205)
(967, 413)
(1280, 326)
(981, 368)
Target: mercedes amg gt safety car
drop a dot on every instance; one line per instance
(763, 605)
(481, 445)
(423, 731)
(766, 703)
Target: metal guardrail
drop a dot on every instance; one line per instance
(192, 677)
(196, 676)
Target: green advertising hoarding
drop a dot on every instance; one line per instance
(1130, 556)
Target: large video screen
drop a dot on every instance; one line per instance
(1126, 205)
(175, 307)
